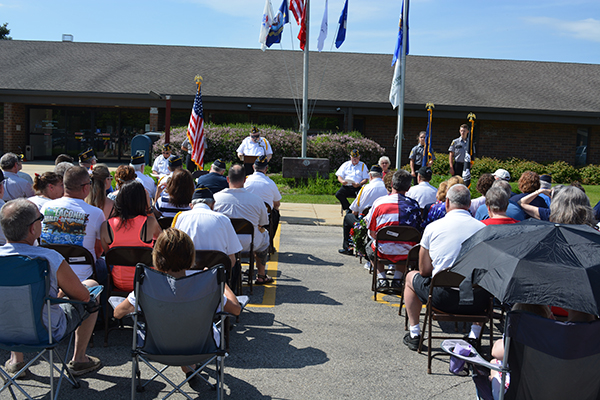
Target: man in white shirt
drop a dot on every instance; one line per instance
(138, 163)
(161, 163)
(440, 246)
(365, 198)
(237, 202)
(14, 185)
(352, 175)
(254, 145)
(70, 220)
(209, 230)
(424, 193)
(264, 187)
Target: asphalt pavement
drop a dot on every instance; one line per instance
(316, 333)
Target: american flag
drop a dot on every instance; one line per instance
(296, 7)
(195, 131)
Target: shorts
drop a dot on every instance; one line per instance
(75, 314)
(447, 299)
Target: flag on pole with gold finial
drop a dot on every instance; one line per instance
(195, 130)
(427, 152)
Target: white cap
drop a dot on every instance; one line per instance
(502, 174)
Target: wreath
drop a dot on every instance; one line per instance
(359, 236)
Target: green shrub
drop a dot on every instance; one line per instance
(562, 172)
(590, 175)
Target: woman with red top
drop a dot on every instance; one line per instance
(130, 224)
(496, 201)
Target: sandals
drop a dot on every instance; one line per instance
(263, 279)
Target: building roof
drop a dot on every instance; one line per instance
(133, 70)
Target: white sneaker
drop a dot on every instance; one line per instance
(368, 266)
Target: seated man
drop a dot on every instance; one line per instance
(264, 187)
(138, 163)
(87, 160)
(237, 202)
(214, 180)
(393, 210)
(14, 185)
(366, 197)
(209, 230)
(70, 220)
(352, 175)
(440, 246)
(161, 166)
(496, 201)
(22, 224)
(424, 193)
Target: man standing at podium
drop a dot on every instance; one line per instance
(252, 147)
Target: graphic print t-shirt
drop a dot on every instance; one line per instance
(72, 221)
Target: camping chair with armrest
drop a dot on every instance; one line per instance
(449, 279)
(125, 257)
(244, 227)
(74, 255)
(546, 359)
(24, 293)
(393, 233)
(170, 336)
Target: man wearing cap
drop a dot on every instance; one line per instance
(352, 175)
(14, 185)
(502, 174)
(161, 166)
(459, 152)
(365, 199)
(424, 193)
(237, 202)
(214, 180)
(87, 159)
(138, 163)
(416, 156)
(254, 145)
(173, 164)
(209, 230)
(264, 187)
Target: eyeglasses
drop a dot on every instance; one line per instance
(384, 162)
(87, 183)
(40, 218)
(255, 137)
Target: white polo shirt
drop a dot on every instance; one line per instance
(357, 173)
(444, 236)
(368, 194)
(251, 148)
(264, 187)
(161, 165)
(209, 230)
(423, 193)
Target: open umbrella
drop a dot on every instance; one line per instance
(535, 262)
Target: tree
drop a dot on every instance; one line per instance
(4, 31)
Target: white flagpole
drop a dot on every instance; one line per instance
(399, 127)
(304, 125)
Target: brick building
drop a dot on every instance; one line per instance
(62, 96)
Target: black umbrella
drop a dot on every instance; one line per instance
(535, 262)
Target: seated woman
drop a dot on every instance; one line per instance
(101, 182)
(129, 224)
(176, 194)
(123, 175)
(48, 186)
(174, 254)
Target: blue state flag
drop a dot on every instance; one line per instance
(279, 21)
(341, 35)
(399, 42)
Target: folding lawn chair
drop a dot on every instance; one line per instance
(178, 330)
(24, 299)
(244, 227)
(546, 359)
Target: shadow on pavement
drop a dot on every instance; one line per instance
(306, 259)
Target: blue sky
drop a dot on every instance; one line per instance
(560, 30)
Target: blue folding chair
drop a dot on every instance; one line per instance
(24, 298)
(178, 328)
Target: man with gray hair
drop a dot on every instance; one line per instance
(440, 246)
(138, 164)
(214, 180)
(14, 185)
(22, 224)
(209, 230)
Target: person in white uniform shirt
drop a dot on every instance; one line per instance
(424, 193)
(352, 175)
(161, 163)
(138, 163)
(14, 185)
(366, 197)
(264, 187)
(237, 202)
(254, 145)
(209, 230)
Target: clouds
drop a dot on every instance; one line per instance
(586, 29)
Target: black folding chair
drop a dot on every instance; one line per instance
(244, 227)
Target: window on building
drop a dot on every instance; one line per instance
(582, 146)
